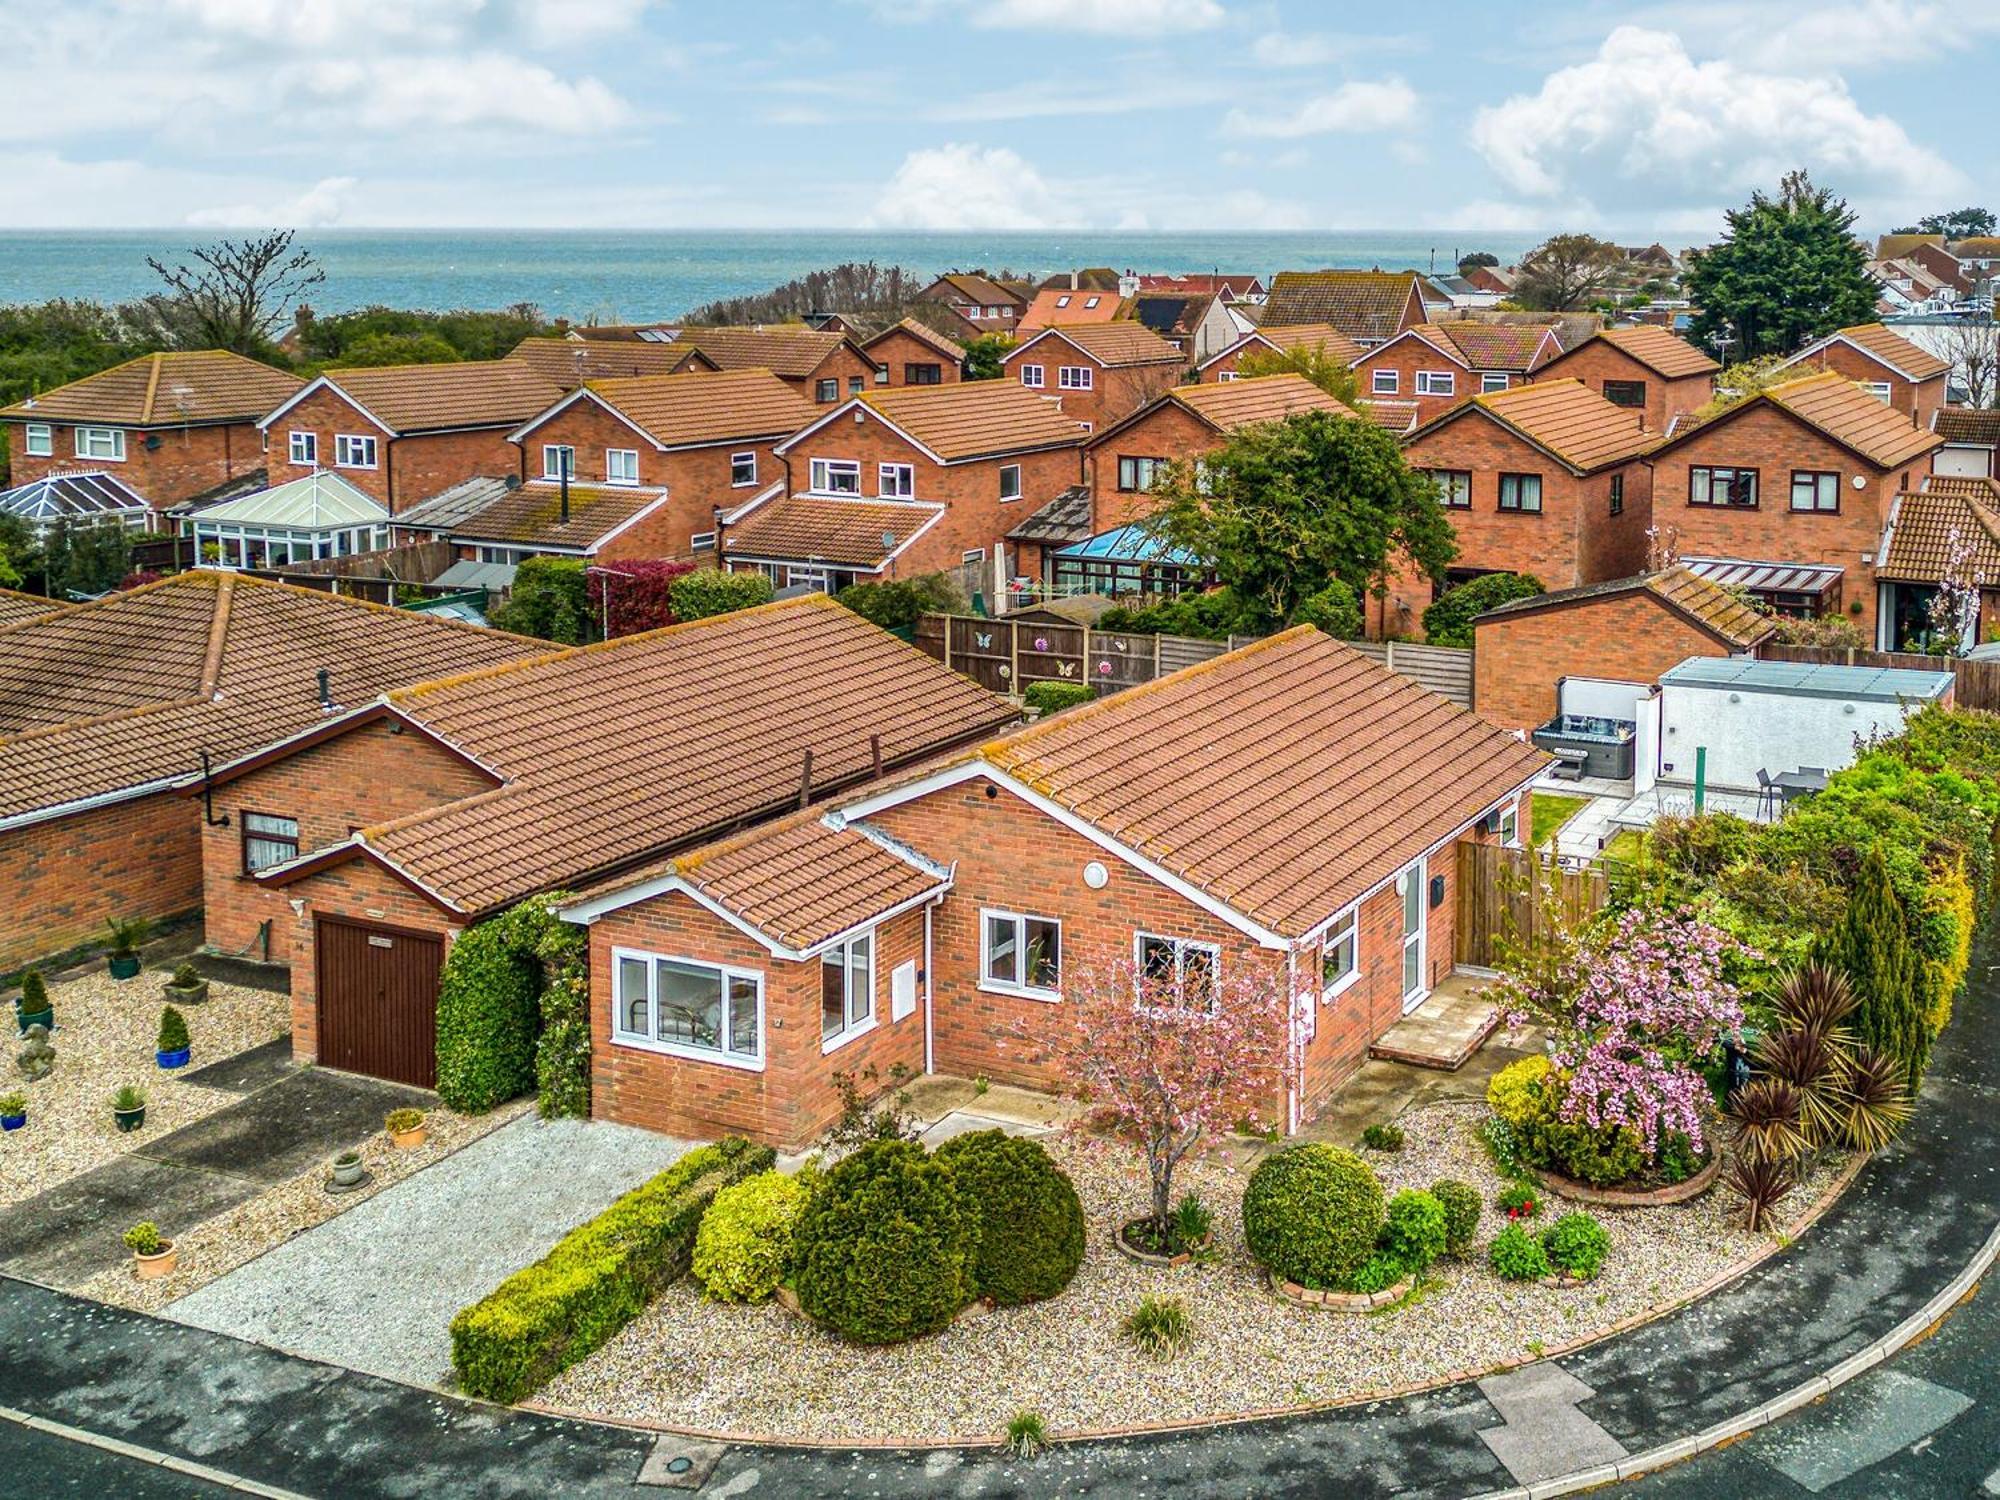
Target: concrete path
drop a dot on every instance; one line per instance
(375, 1288)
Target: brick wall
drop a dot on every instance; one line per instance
(1113, 394)
(366, 776)
(187, 461)
(1406, 357)
(407, 469)
(1917, 400)
(1521, 658)
(844, 367)
(1597, 361)
(897, 349)
(1169, 432)
(62, 878)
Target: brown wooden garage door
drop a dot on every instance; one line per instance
(378, 990)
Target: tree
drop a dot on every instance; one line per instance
(550, 600)
(1283, 508)
(983, 355)
(1327, 371)
(1787, 271)
(85, 559)
(1872, 947)
(1959, 224)
(1973, 347)
(397, 349)
(1739, 382)
(1567, 271)
(1171, 1062)
(337, 340)
(1470, 263)
(632, 596)
(18, 553)
(1448, 622)
(238, 293)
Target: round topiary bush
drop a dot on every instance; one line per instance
(1312, 1214)
(884, 1250)
(1460, 1202)
(744, 1245)
(1030, 1222)
(1577, 1244)
(1516, 1255)
(1519, 1091)
(1415, 1230)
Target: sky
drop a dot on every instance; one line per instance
(1631, 118)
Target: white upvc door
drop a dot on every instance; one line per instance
(1410, 888)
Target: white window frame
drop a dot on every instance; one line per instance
(1224, 377)
(736, 463)
(86, 438)
(975, 555)
(850, 1027)
(820, 474)
(826, 390)
(1384, 382)
(345, 444)
(554, 455)
(1881, 390)
(1032, 377)
(651, 1042)
(896, 481)
(1346, 926)
(702, 541)
(1075, 378)
(1063, 300)
(1491, 381)
(302, 448)
(1018, 987)
(38, 440)
(1510, 825)
(611, 466)
(1436, 383)
(1005, 470)
(1090, 303)
(1181, 947)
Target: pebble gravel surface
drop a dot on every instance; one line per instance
(760, 1371)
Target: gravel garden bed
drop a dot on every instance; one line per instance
(104, 1036)
(759, 1371)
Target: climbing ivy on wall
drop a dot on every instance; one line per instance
(513, 1012)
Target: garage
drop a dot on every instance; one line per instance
(378, 989)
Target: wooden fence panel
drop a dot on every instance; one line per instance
(983, 650)
(1977, 682)
(1501, 900)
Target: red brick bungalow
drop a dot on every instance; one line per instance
(1099, 372)
(1291, 810)
(423, 811)
(1226, 364)
(1643, 369)
(403, 433)
(1787, 493)
(1543, 479)
(906, 482)
(1438, 365)
(908, 353)
(169, 426)
(822, 365)
(106, 709)
(1892, 368)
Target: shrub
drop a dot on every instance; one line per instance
(886, 1246)
(399, 1120)
(1334, 609)
(128, 1097)
(1193, 1223)
(1415, 1230)
(599, 1277)
(173, 1030)
(1519, 1091)
(1381, 1270)
(710, 591)
(550, 600)
(1159, 1326)
(34, 996)
(487, 1019)
(1029, 1222)
(1602, 1156)
(1460, 1202)
(1312, 1214)
(1054, 697)
(744, 1245)
(1577, 1244)
(1517, 1255)
(641, 593)
(897, 604)
(1213, 616)
(1678, 1160)
(1027, 1434)
(1383, 1137)
(1519, 1201)
(144, 1238)
(13, 1104)
(1872, 945)
(1448, 622)
(186, 976)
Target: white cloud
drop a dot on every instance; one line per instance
(1804, 36)
(1050, 100)
(965, 187)
(1642, 129)
(490, 88)
(1353, 107)
(320, 205)
(1136, 18)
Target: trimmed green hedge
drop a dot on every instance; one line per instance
(599, 1277)
(1054, 697)
(1313, 1213)
(488, 1014)
(710, 591)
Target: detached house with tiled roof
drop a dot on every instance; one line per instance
(822, 365)
(1643, 369)
(1892, 368)
(909, 353)
(1291, 813)
(403, 433)
(906, 482)
(1971, 441)
(1948, 530)
(1787, 493)
(570, 363)
(167, 426)
(1437, 365)
(1366, 306)
(1098, 372)
(1323, 338)
(987, 306)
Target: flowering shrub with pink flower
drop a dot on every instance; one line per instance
(1635, 1005)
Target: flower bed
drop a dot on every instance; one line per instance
(1662, 1196)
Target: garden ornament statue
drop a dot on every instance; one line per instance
(37, 1059)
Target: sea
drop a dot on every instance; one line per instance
(629, 276)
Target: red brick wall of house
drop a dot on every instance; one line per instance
(188, 460)
(1169, 433)
(1597, 361)
(1776, 445)
(897, 349)
(1917, 400)
(62, 878)
(1520, 659)
(1226, 365)
(793, 1099)
(366, 776)
(844, 367)
(407, 469)
(1113, 394)
(1406, 356)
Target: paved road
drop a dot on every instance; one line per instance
(40, 1467)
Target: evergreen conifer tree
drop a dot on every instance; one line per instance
(1872, 945)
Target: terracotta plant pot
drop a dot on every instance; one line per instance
(407, 1140)
(124, 965)
(160, 1263)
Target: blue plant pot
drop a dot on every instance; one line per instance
(125, 966)
(12, 1122)
(172, 1059)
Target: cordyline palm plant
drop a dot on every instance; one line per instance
(1816, 1068)
(1817, 998)
(1766, 1112)
(1761, 1184)
(1877, 1099)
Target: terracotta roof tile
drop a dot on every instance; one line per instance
(977, 418)
(790, 350)
(16, 606)
(1967, 424)
(1112, 345)
(1563, 418)
(708, 407)
(1062, 307)
(1514, 347)
(125, 691)
(1832, 404)
(432, 398)
(825, 529)
(530, 515)
(982, 290)
(1287, 779)
(571, 362)
(945, 345)
(1365, 305)
(1229, 404)
(1399, 417)
(1321, 336)
(1706, 603)
(1910, 360)
(1929, 523)
(1665, 355)
(165, 390)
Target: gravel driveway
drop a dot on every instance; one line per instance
(375, 1288)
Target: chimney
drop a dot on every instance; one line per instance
(326, 703)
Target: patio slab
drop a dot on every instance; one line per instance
(279, 1131)
(66, 1235)
(1453, 1023)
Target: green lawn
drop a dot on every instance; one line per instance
(1552, 810)
(1625, 848)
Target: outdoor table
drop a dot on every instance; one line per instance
(1795, 784)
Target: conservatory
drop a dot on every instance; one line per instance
(315, 515)
(84, 499)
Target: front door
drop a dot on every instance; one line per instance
(1410, 888)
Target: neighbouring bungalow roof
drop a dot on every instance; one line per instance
(970, 419)
(1365, 305)
(1707, 604)
(120, 695)
(1667, 356)
(1831, 404)
(1066, 307)
(16, 606)
(789, 350)
(851, 533)
(1226, 405)
(1564, 418)
(438, 398)
(1928, 525)
(1399, 417)
(1967, 425)
(573, 362)
(689, 410)
(319, 501)
(943, 343)
(1112, 345)
(531, 515)
(1910, 360)
(85, 497)
(165, 390)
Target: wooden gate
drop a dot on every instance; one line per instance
(378, 990)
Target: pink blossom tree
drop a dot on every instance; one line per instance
(1170, 1062)
(1634, 1006)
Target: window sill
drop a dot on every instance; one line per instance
(1021, 992)
(835, 1043)
(689, 1054)
(1334, 992)
(747, 484)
